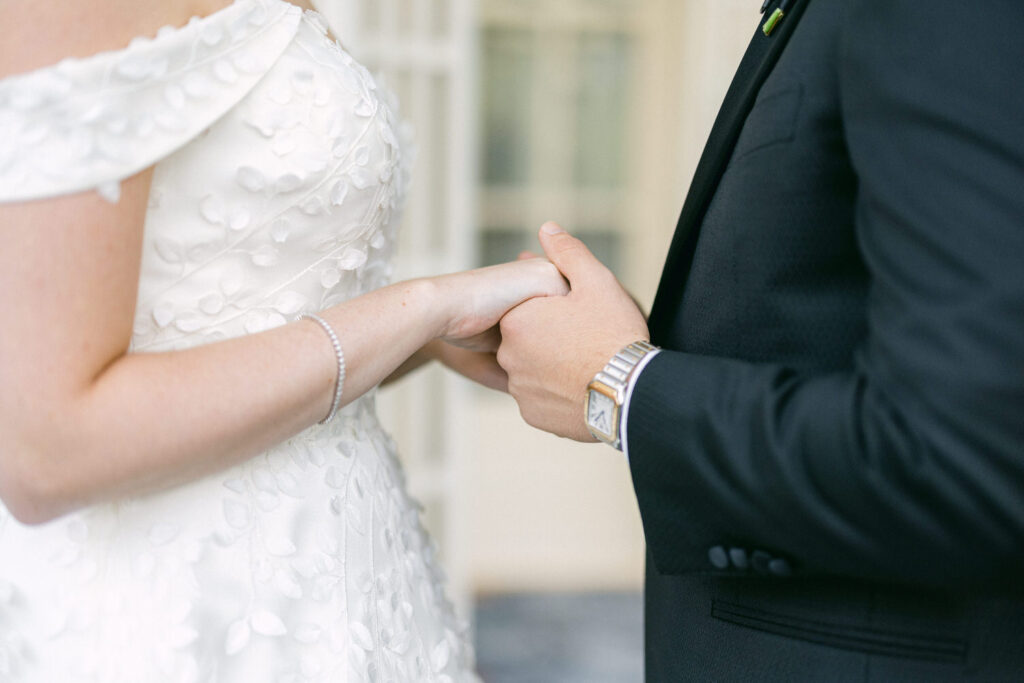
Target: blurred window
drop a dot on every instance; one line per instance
(556, 134)
(601, 109)
(507, 91)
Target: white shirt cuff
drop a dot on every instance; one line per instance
(629, 395)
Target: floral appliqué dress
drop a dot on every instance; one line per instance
(278, 178)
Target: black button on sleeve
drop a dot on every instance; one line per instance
(760, 560)
(718, 557)
(739, 558)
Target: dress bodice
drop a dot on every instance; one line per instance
(278, 175)
(287, 205)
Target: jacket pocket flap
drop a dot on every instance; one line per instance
(843, 636)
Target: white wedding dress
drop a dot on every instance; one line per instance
(278, 174)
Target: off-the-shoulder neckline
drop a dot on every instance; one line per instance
(164, 34)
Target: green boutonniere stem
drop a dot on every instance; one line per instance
(773, 21)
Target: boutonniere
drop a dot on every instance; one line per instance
(776, 17)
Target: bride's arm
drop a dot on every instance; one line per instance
(82, 420)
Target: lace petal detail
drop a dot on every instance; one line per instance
(90, 123)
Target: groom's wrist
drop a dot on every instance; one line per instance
(606, 404)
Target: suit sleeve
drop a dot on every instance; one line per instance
(909, 466)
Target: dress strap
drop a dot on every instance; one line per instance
(90, 123)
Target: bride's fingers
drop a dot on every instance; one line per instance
(492, 293)
(557, 285)
(486, 371)
(527, 255)
(487, 341)
(482, 368)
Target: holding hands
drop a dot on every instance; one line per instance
(553, 322)
(479, 298)
(552, 347)
(473, 302)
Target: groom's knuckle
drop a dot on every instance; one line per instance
(504, 359)
(603, 277)
(510, 325)
(515, 390)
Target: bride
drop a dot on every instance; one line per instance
(196, 227)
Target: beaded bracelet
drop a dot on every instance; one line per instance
(340, 382)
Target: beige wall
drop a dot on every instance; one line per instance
(551, 514)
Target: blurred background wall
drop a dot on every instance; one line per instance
(590, 112)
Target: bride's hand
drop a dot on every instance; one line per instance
(478, 299)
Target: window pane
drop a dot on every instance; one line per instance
(440, 13)
(601, 109)
(498, 245)
(605, 244)
(506, 90)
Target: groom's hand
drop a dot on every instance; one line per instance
(552, 347)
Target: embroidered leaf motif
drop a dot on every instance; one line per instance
(361, 635)
(267, 623)
(238, 637)
(440, 655)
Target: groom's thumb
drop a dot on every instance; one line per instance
(568, 254)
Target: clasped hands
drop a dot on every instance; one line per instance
(551, 347)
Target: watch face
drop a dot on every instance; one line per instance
(601, 413)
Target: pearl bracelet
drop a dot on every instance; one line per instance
(340, 382)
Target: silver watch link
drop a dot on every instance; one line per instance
(606, 393)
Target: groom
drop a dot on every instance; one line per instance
(828, 449)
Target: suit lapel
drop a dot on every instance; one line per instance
(757, 64)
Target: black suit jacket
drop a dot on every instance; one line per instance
(829, 455)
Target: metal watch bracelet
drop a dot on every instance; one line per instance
(606, 393)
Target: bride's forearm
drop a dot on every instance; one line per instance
(153, 420)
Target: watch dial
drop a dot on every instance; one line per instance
(600, 412)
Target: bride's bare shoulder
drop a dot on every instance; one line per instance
(38, 33)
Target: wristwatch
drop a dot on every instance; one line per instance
(607, 392)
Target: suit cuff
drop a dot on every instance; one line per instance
(624, 417)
